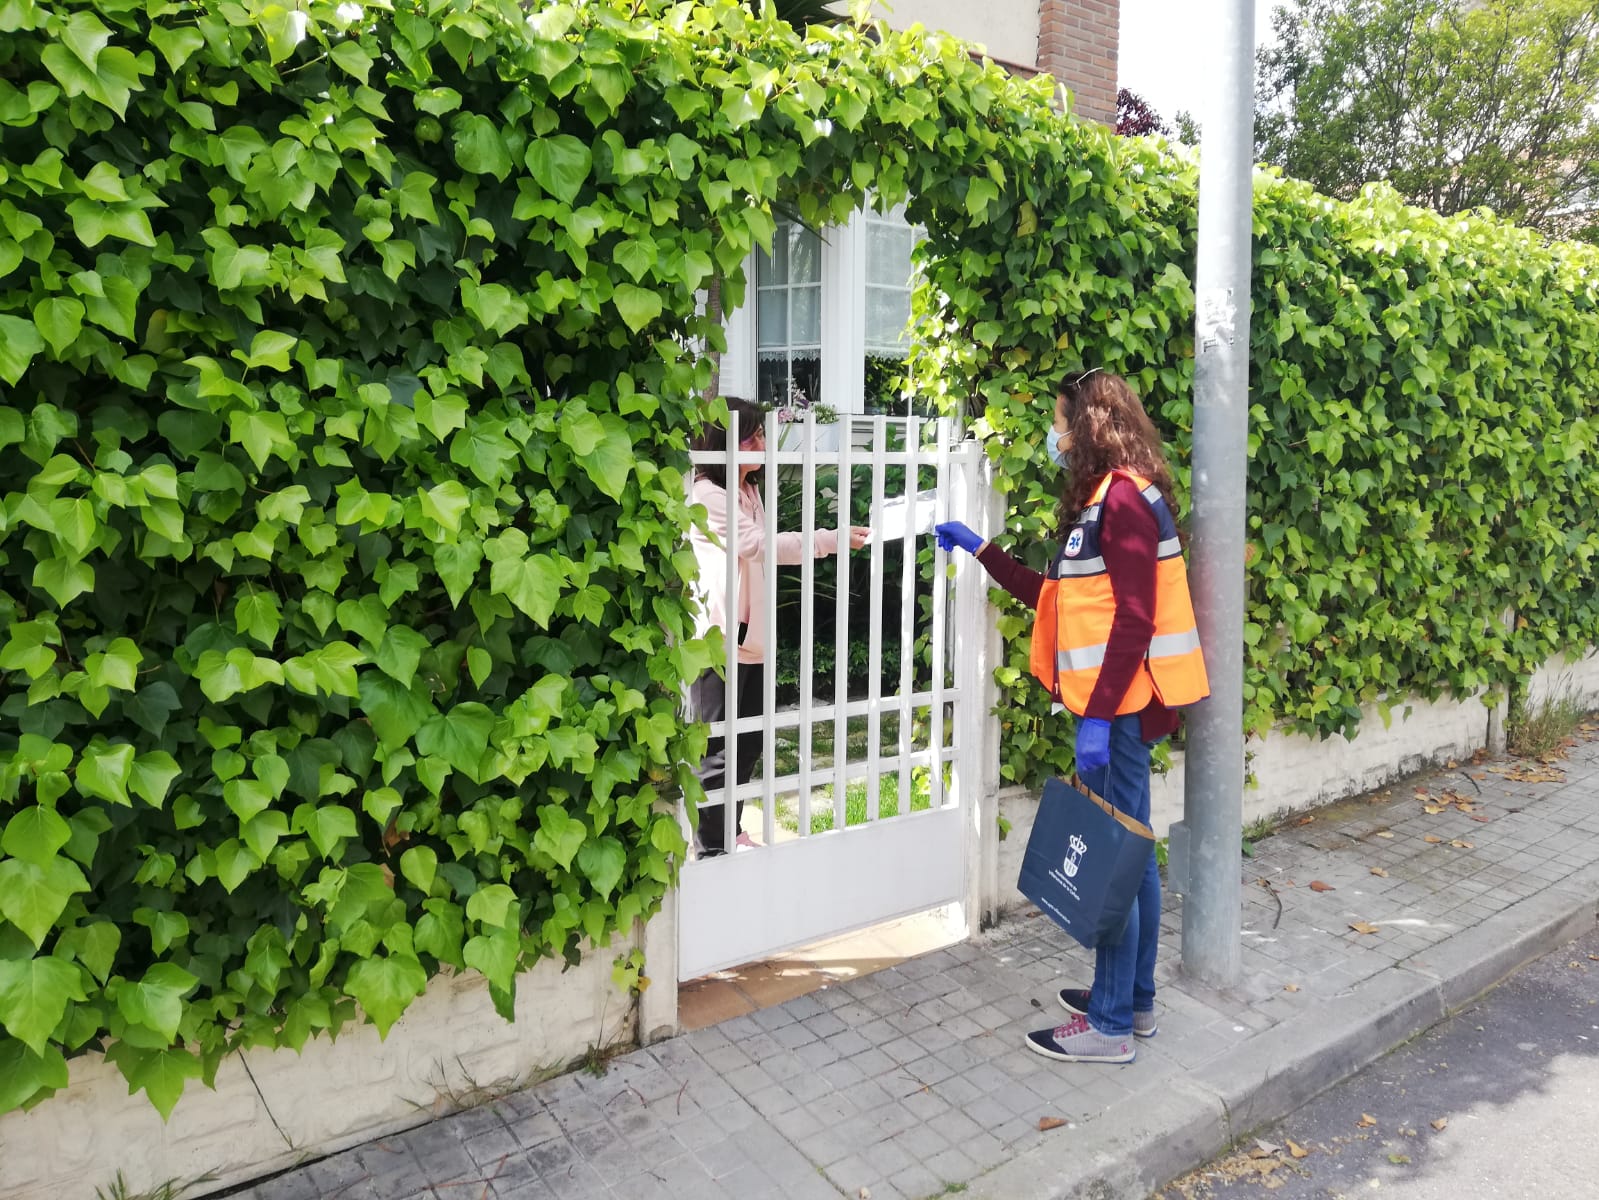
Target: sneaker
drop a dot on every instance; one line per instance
(745, 839)
(1078, 1041)
(1075, 1001)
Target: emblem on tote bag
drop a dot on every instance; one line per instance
(1076, 848)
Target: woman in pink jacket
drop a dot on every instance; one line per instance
(708, 695)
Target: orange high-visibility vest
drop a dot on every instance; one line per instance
(1076, 607)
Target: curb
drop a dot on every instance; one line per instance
(1143, 1142)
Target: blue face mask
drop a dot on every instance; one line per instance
(1059, 457)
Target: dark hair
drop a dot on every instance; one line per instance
(713, 437)
(1109, 430)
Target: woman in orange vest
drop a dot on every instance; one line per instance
(1115, 642)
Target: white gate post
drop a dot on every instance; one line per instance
(978, 652)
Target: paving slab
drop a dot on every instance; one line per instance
(915, 1080)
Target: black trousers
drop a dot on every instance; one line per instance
(707, 701)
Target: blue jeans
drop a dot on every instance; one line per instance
(1124, 971)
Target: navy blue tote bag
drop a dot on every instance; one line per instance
(1084, 862)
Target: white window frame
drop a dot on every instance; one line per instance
(843, 325)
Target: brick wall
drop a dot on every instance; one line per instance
(1077, 42)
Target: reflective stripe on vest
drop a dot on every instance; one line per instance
(1077, 607)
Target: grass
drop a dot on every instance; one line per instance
(172, 1189)
(1534, 734)
(1256, 831)
(785, 761)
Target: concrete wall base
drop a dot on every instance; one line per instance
(273, 1109)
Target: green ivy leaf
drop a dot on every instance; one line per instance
(385, 986)
(257, 614)
(328, 826)
(63, 579)
(460, 737)
(603, 861)
(160, 1074)
(560, 164)
(19, 342)
(24, 1074)
(400, 652)
(34, 994)
(419, 865)
(560, 835)
(60, 320)
(492, 905)
(33, 895)
(396, 711)
(638, 306)
(445, 504)
(117, 666)
(478, 146)
(152, 775)
(34, 834)
(103, 771)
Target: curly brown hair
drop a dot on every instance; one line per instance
(1109, 430)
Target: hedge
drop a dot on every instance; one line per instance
(350, 359)
(1421, 424)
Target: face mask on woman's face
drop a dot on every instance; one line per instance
(1061, 458)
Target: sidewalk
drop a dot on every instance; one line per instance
(914, 1082)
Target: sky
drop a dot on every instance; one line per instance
(1165, 45)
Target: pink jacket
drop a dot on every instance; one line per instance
(711, 553)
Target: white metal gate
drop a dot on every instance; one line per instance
(867, 834)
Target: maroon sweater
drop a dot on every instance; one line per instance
(1128, 538)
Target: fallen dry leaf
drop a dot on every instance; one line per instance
(1304, 820)
(1364, 927)
(1379, 871)
(1458, 844)
(1432, 810)
(1317, 885)
(1366, 1121)
(1387, 833)
(1290, 987)
(1045, 1124)
(1296, 1149)
(1480, 819)
(1441, 1124)
(1479, 775)
(1432, 840)
(1399, 1160)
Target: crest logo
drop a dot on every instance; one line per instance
(1074, 543)
(1076, 848)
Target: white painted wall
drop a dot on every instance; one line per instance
(1006, 29)
(1560, 680)
(302, 1106)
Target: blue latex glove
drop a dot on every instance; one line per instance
(954, 534)
(1093, 745)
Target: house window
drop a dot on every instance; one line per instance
(788, 307)
(888, 283)
(887, 242)
(824, 322)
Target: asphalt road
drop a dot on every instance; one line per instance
(1499, 1102)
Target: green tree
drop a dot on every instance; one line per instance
(1457, 103)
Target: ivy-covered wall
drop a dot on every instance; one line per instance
(350, 356)
(1422, 421)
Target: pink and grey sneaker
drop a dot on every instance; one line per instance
(1078, 1041)
(1075, 1001)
